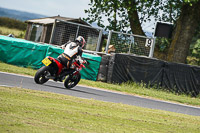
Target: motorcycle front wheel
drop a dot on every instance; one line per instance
(72, 81)
(40, 75)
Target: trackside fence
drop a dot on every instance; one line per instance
(64, 31)
(129, 43)
(116, 42)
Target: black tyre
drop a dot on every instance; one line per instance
(40, 75)
(72, 81)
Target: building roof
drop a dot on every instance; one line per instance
(51, 20)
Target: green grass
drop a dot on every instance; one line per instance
(15, 69)
(17, 33)
(138, 89)
(133, 88)
(24, 110)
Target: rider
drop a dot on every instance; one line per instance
(71, 51)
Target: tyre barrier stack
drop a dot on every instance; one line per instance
(103, 69)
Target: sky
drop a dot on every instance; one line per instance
(65, 8)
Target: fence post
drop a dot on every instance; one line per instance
(77, 32)
(53, 32)
(152, 48)
(108, 41)
(99, 40)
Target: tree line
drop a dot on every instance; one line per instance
(12, 23)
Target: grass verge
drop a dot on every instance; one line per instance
(133, 88)
(17, 33)
(24, 110)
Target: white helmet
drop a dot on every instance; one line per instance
(81, 41)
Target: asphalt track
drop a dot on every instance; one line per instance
(15, 80)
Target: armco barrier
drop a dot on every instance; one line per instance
(29, 54)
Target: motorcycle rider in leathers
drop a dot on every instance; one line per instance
(72, 51)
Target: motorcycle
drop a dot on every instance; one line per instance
(53, 69)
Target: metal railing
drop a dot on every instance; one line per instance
(117, 42)
(129, 43)
(64, 31)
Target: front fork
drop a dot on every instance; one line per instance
(74, 74)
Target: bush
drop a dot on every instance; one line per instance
(12, 23)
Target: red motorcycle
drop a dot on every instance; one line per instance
(53, 69)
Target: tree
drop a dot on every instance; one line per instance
(194, 54)
(185, 14)
(186, 25)
(117, 13)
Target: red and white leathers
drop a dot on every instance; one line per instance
(71, 51)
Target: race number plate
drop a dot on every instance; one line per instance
(149, 42)
(46, 62)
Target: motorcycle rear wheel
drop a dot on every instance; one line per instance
(72, 81)
(40, 75)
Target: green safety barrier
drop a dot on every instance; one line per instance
(92, 69)
(30, 54)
